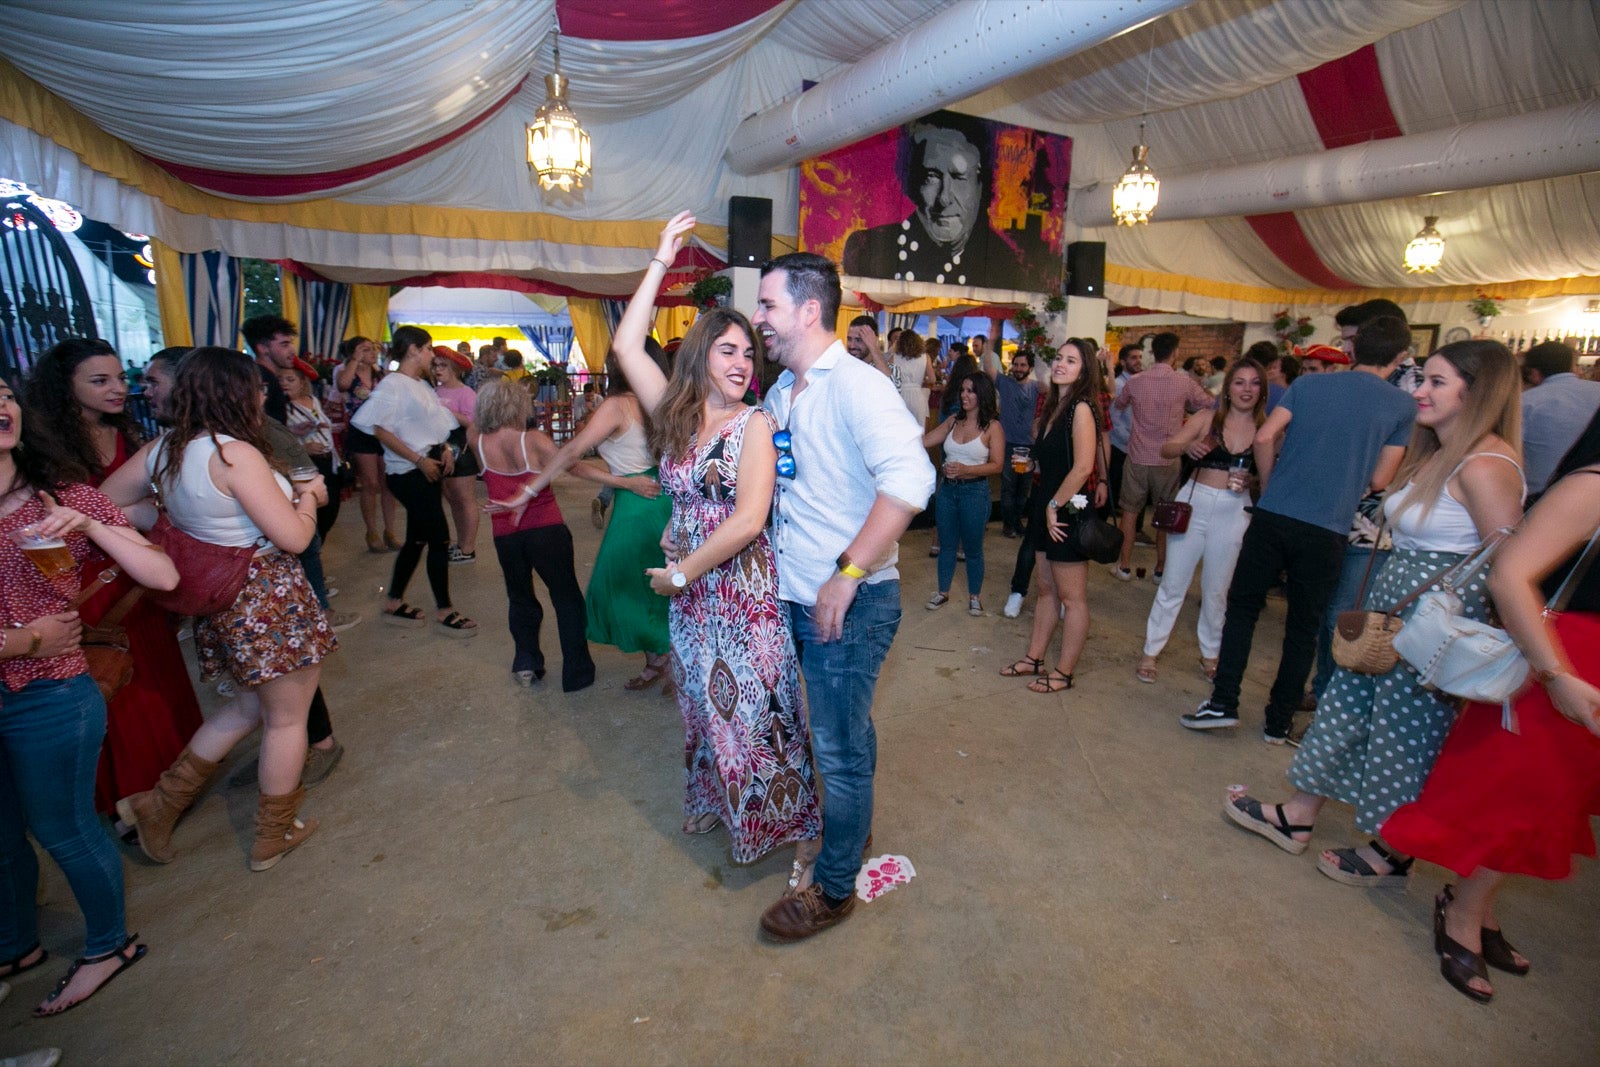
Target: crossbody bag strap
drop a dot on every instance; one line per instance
(1563, 595)
(1450, 574)
(103, 579)
(1372, 557)
(120, 609)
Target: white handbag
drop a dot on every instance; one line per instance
(1465, 657)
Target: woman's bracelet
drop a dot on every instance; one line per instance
(664, 264)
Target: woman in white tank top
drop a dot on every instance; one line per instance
(217, 486)
(974, 446)
(1375, 737)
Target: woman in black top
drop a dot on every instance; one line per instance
(1065, 448)
(1222, 442)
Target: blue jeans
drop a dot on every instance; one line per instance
(50, 735)
(1356, 558)
(840, 678)
(961, 511)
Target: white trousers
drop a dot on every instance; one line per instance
(1216, 529)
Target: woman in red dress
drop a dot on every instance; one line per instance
(1499, 802)
(78, 391)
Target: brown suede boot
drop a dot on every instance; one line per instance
(155, 812)
(277, 829)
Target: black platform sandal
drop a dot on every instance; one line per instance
(1499, 953)
(1457, 963)
(85, 961)
(12, 968)
(1349, 868)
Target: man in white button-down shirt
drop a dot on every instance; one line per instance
(852, 474)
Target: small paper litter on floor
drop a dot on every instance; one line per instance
(881, 874)
(960, 753)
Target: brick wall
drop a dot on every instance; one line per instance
(1224, 339)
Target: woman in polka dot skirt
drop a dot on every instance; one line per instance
(1375, 737)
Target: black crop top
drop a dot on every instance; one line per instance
(1220, 459)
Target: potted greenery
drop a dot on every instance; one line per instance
(711, 291)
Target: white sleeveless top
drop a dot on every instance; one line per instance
(1447, 527)
(973, 453)
(196, 506)
(628, 453)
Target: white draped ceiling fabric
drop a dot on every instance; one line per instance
(374, 141)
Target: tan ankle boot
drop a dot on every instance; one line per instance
(277, 829)
(155, 812)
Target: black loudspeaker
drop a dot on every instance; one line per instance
(749, 231)
(1086, 268)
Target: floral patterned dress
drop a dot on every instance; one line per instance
(747, 750)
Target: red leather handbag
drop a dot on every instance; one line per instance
(1173, 515)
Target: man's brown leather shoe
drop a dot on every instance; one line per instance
(798, 916)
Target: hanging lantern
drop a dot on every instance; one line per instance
(1134, 198)
(558, 145)
(1426, 249)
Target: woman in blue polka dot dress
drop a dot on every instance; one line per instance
(1375, 737)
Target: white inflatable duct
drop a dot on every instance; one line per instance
(965, 49)
(1545, 144)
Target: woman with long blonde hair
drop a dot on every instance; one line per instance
(1376, 736)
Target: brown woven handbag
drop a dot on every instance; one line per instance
(1363, 641)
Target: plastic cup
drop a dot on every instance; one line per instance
(49, 554)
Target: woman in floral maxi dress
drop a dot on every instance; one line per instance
(747, 750)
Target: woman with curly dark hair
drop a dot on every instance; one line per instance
(974, 447)
(217, 486)
(79, 397)
(54, 717)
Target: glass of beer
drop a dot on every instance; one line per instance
(1021, 459)
(49, 554)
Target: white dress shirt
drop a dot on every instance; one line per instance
(853, 439)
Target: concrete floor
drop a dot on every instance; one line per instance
(500, 878)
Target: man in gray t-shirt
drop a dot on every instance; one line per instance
(1342, 434)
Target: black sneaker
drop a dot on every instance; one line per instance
(1210, 717)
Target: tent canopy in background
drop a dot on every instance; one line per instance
(152, 117)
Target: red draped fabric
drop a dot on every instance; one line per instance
(665, 20)
(1281, 233)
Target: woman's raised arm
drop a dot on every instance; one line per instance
(627, 344)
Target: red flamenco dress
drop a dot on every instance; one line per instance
(1518, 803)
(150, 721)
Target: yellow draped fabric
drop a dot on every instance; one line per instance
(171, 301)
(369, 312)
(589, 329)
(673, 322)
(289, 296)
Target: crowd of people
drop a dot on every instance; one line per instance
(751, 558)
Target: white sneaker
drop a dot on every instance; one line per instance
(1121, 574)
(1013, 606)
(340, 621)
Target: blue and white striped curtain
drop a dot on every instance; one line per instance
(901, 321)
(213, 284)
(324, 314)
(612, 310)
(553, 342)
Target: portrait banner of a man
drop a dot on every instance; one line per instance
(945, 199)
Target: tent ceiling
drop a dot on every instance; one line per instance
(379, 141)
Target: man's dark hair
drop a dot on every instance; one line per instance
(259, 329)
(865, 320)
(1218, 363)
(1551, 357)
(1290, 365)
(1378, 341)
(981, 337)
(168, 355)
(957, 348)
(1024, 353)
(499, 342)
(1125, 351)
(513, 358)
(1263, 352)
(1163, 346)
(1360, 314)
(809, 277)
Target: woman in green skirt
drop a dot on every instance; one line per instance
(623, 611)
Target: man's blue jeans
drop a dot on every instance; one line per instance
(840, 678)
(1356, 558)
(50, 735)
